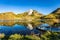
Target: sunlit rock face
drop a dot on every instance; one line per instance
(30, 12)
(29, 26)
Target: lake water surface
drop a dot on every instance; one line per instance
(22, 29)
(19, 29)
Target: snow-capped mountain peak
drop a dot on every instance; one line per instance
(30, 12)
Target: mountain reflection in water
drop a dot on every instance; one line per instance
(19, 29)
(25, 28)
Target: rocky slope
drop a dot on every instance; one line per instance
(53, 17)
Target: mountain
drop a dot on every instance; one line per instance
(57, 11)
(30, 12)
(7, 16)
(30, 15)
(33, 12)
(53, 17)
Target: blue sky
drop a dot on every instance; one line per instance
(19, 6)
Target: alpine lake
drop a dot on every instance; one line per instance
(25, 28)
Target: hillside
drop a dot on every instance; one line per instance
(32, 16)
(7, 16)
(53, 17)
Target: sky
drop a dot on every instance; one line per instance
(20, 6)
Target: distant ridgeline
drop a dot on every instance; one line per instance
(30, 16)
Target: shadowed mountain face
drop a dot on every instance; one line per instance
(57, 11)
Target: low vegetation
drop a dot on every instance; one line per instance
(46, 36)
